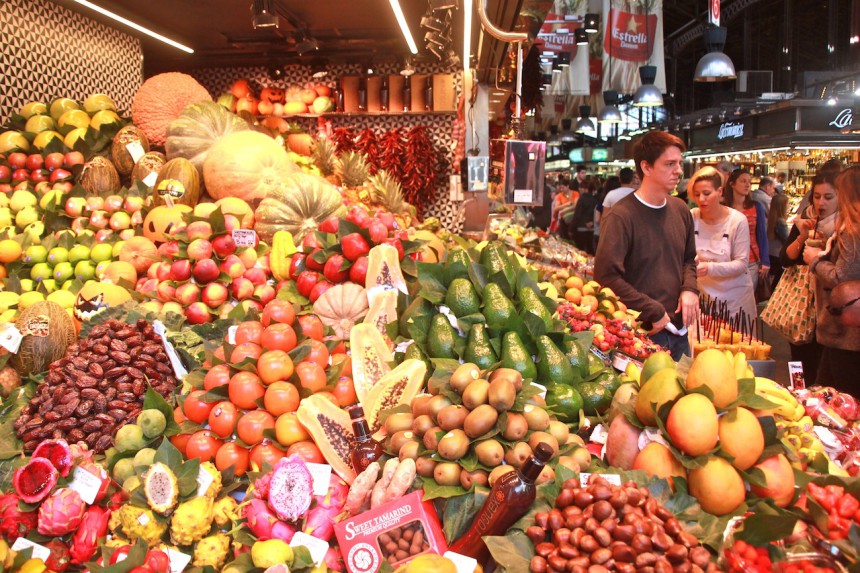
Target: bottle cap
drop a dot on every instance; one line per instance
(356, 412)
(543, 452)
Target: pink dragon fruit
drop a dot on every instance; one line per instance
(320, 522)
(34, 481)
(116, 499)
(260, 519)
(58, 561)
(61, 513)
(291, 488)
(86, 538)
(283, 531)
(261, 486)
(333, 559)
(335, 497)
(58, 453)
(14, 523)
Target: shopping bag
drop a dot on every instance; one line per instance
(791, 308)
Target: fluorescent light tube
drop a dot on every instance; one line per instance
(467, 33)
(404, 27)
(137, 27)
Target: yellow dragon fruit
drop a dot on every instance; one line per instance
(215, 486)
(140, 523)
(192, 520)
(226, 510)
(161, 488)
(212, 551)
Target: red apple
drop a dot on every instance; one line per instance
(180, 270)
(249, 305)
(53, 161)
(133, 204)
(330, 225)
(20, 175)
(224, 245)
(215, 294)
(264, 293)
(256, 275)
(231, 223)
(119, 221)
(312, 263)
(387, 219)
(358, 271)
(241, 288)
(248, 256)
(17, 160)
(332, 269)
(205, 271)
(95, 203)
(5, 174)
(397, 245)
(378, 231)
(198, 313)
(34, 161)
(99, 219)
(199, 249)
(306, 282)
(60, 175)
(263, 263)
(359, 216)
(73, 158)
(64, 186)
(75, 206)
(354, 245)
(113, 203)
(166, 291)
(148, 286)
(163, 271)
(199, 230)
(187, 293)
(319, 289)
(310, 242)
(297, 265)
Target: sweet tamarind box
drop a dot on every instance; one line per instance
(396, 532)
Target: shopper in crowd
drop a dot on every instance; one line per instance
(839, 262)
(722, 244)
(647, 253)
(777, 234)
(780, 183)
(612, 183)
(725, 168)
(832, 167)
(736, 195)
(578, 181)
(625, 176)
(581, 221)
(765, 192)
(845, 303)
(541, 215)
(819, 217)
(563, 195)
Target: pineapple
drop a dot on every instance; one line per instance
(354, 171)
(387, 193)
(325, 158)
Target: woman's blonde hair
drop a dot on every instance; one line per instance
(705, 174)
(848, 193)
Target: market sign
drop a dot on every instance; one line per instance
(731, 130)
(725, 132)
(826, 118)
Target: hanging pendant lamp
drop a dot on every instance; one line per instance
(648, 95)
(715, 66)
(609, 113)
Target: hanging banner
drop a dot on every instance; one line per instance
(632, 37)
(556, 38)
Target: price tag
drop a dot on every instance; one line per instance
(321, 474)
(600, 354)
(39, 551)
(10, 338)
(150, 179)
(523, 195)
(143, 519)
(175, 362)
(614, 479)
(599, 434)
(464, 564)
(136, 150)
(204, 480)
(795, 374)
(317, 547)
(178, 560)
(231, 334)
(245, 237)
(402, 346)
(542, 389)
(86, 484)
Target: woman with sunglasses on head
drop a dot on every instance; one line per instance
(837, 263)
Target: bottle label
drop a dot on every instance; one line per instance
(495, 500)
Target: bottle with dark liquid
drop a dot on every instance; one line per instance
(428, 94)
(407, 93)
(362, 95)
(383, 95)
(510, 498)
(367, 450)
(338, 99)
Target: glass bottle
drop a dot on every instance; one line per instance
(407, 93)
(367, 450)
(383, 95)
(338, 99)
(362, 95)
(428, 94)
(510, 498)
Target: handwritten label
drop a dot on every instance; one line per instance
(461, 562)
(245, 237)
(231, 334)
(39, 551)
(150, 179)
(613, 479)
(523, 195)
(175, 362)
(86, 484)
(10, 338)
(317, 547)
(178, 560)
(321, 475)
(136, 150)
(204, 480)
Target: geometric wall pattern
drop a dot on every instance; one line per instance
(48, 51)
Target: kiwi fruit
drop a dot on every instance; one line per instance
(398, 422)
(518, 455)
(545, 437)
(480, 421)
(410, 450)
(420, 405)
(451, 417)
(547, 474)
(477, 477)
(536, 400)
(570, 463)
(501, 394)
(537, 417)
(402, 437)
(436, 404)
(516, 428)
(421, 424)
(447, 473)
(476, 393)
(499, 472)
(425, 466)
(453, 445)
(582, 456)
(431, 437)
(559, 431)
(509, 374)
(464, 375)
(490, 453)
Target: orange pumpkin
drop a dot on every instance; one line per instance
(273, 95)
(162, 220)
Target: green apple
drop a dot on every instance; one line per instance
(101, 252)
(26, 216)
(63, 298)
(30, 298)
(53, 197)
(74, 118)
(36, 230)
(39, 123)
(62, 105)
(58, 255)
(22, 198)
(100, 269)
(41, 272)
(5, 217)
(79, 253)
(4, 201)
(33, 108)
(63, 272)
(50, 285)
(98, 102)
(117, 248)
(85, 270)
(35, 254)
(27, 285)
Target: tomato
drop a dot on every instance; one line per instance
(311, 375)
(232, 455)
(289, 430)
(279, 336)
(333, 269)
(249, 331)
(203, 445)
(306, 282)
(308, 451)
(297, 265)
(158, 561)
(252, 425)
(245, 389)
(278, 311)
(337, 358)
(219, 354)
(311, 326)
(265, 454)
(344, 391)
(245, 350)
(180, 442)
(222, 419)
(218, 375)
(281, 397)
(312, 263)
(178, 415)
(358, 271)
(196, 409)
(319, 289)
(274, 365)
(319, 353)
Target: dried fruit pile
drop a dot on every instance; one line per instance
(97, 386)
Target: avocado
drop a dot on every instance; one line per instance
(441, 339)
(532, 303)
(495, 258)
(419, 312)
(595, 398)
(498, 309)
(552, 366)
(462, 298)
(478, 348)
(516, 357)
(565, 401)
(577, 358)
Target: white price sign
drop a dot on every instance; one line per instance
(39, 551)
(321, 476)
(86, 484)
(245, 237)
(317, 547)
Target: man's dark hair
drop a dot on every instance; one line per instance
(764, 182)
(626, 176)
(580, 167)
(651, 146)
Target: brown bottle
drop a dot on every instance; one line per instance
(510, 498)
(367, 450)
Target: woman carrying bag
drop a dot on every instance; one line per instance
(737, 195)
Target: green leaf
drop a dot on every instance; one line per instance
(431, 277)
(748, 398)
(478, 276)
(300, 352)
(168, 455)
(460, 511)
(433, 490)
(186, 476)
(534, 325)
(759, 529)
(512, 552)
(289, 293)
(301, 558)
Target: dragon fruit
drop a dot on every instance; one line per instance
(139, 523)
(333, 559)
(212, 550)
(225, 510)
(58, 561)
(261, 486)
(89, 465)
(320, 522)
(291, 488)
(260, 519)
(86, 538)
(34, 481)
(283, 531)
(192, 520)
(58, 453)
(335, 496)
(14, 523)
(61, 513)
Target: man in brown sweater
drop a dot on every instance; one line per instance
(647, 250)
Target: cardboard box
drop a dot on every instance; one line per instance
(395, 90)
(444, 94)
(374, 87)
(349, 86)
(385, 533)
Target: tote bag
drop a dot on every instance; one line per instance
(791, 309)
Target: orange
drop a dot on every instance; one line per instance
(280, 398)
(288, 429)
